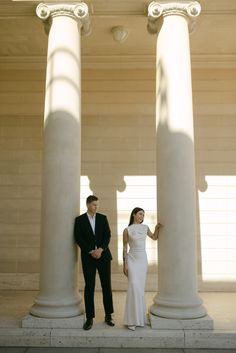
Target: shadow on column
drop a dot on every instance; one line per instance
(60, 195)
(178, 294)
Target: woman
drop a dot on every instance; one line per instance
(135, 267)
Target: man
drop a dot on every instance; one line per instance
(92, 234)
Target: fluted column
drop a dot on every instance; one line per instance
(176, 195)
(58, 297)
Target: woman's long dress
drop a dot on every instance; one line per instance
(135, 307)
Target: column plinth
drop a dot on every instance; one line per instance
(58, 296)
(177, 296)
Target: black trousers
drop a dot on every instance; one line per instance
(90, 267)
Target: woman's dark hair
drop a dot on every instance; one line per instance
(135, 210)
(91, 198)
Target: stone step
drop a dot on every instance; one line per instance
(118, 337)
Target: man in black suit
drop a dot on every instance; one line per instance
(92, 234)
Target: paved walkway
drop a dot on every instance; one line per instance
(14, 305)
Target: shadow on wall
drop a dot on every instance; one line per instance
(108, 169)
(216, 240)
(108, 175)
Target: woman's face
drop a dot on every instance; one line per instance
(138, 217)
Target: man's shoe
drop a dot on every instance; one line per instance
(109, 321)
(88, 324)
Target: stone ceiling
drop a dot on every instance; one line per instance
(22, 37)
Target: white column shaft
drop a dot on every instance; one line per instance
(58, 295)
(176, 196)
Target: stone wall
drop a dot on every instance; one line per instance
(118, 165)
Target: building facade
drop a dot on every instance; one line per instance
(128, 84)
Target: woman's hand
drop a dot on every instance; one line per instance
(158, 226)
(156, 231)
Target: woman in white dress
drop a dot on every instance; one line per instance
(135, 267)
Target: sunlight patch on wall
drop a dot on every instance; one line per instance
(217, 207)
(140, 191)
(85, 191)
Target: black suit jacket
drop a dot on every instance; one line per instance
(87, 240)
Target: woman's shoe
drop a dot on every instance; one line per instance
(132, 328)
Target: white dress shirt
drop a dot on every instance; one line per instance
(92, 220)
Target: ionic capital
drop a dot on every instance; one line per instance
(187, 8)
(79, 12)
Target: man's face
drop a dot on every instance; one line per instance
(92, 207)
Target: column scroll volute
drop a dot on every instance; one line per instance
(79, 11)
(159, 9)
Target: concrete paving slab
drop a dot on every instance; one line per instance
(210, 339)
(13, 349)
(62, 350)
(16, 337)
(14, 305)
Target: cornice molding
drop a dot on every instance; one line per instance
(186, 8)
(26, 8)
(106, 8)
(123, 62)
(78, 11)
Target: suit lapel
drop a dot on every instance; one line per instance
(88, 225)
(97, 224)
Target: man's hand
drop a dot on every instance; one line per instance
(96, 254)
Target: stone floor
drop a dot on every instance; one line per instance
(14, 305)
(109, 350)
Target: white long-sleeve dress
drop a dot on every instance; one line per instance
(135, 307)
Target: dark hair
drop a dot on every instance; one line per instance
(91, 198)
(135, 210)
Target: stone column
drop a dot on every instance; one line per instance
(177, 296)
(58, 297)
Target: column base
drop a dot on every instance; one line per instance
(57, 309)
(172, 309)
(31, 321)
(159, 323)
